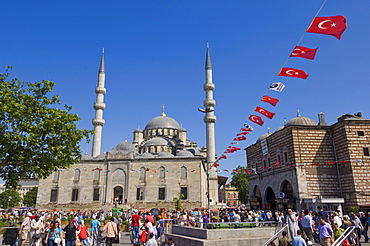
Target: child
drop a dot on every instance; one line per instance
(143, 235)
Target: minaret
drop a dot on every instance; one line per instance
(99, 106)
(209, 105)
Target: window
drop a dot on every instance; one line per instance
(269, 162)
(97, 174)
(77, 174)
(56, 175)
(142, 173)
(366, 151)
(183, 172)
(286, 157)
(162, 172)
(54, 195)
(161, 193)
(74, 195)
(139, 194)
(96, 194)
(278, 158)
(264, 163)
(360, 133)
(184, 192)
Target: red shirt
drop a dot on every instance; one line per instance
(143, 236)
(135, 220)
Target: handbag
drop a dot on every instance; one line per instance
(57, 240)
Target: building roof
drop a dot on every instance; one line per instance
(162, 121)
(301, 121)
(157, 141)
(125, 146)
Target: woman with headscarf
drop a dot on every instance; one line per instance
(37, 227)
(11, 234)
(82, 232)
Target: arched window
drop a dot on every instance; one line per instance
(97, 174)
(162, 172)
(184, 172)
(77, 174)
(57, 175)
(142, 173)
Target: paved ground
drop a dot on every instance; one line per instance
(125, 239)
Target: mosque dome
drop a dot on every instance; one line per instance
(301, 121)
(146, 155)
(157, 141)
(86, 157)
(194, 151)
(162, 121)
(125, 147)
(263, 137)
(165, 154)
(184, 153)
(280, 128)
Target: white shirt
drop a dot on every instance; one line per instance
(337, 220)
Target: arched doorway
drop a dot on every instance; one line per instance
(118, 185)
(256, 200)
(289, 200)
(270, 198)
(118, 195)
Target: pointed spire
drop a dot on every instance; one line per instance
(268, 130)
(102, 66)
(208, 58)
(298, 113)
(163, 113)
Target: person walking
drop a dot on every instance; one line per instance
(25, 229)
(11, 234)
(82, 232)
(112, 231)
(54, 235)
(308, 225)
(37, 227)
(70, 231)
(325, 233)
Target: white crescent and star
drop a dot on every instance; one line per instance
(320, 25)
(298, 50)
(291, 72)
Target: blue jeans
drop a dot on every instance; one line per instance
(70, 242)
(364, 232)
(135, 230)
(51, 242)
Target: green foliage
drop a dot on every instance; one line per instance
(354, 210)
(178, 203)
(10, 198)
(240, 181)
(29, 199)
(38, 136)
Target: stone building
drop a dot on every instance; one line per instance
(160, 164)
(304, 164)
(229, 195)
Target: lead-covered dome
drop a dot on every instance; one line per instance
(157, 141)
(301, 121)
(125, 146)
(263, 137)
(162, 121)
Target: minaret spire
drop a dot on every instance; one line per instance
(99, 106)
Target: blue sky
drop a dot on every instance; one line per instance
(155, 54)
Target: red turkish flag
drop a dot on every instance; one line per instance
(270, 100)
(264, 112)
(304, 52)
(293, 72)
(235, 170)
(222, 157)
(256, 119)
(240, 138)
(330, 25)
(242, 133)
(245, 129)
(225, 170)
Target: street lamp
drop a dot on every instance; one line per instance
(9, 199)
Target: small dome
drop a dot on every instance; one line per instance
(194, 151)
(301, 121)
(156, 141)
(125, 147)
(182, 129)
(280, 128)
(86, 157)
(263, 137)
(184, 153)
(162, 122)
(165, 154)
(138, 130)
(146, 155)
(101, 156)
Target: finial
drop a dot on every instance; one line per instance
(125, 139)
(268, 130)
(102, 51)
(207, 45)
(163, 114)
(284, 121)
(102, 65)
(208, 58)
(298, 113)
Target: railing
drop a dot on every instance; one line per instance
(275, 235)
(344, 236)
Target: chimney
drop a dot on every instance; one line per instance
(322, 121)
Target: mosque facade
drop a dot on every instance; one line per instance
(160, 164)
(305, 164)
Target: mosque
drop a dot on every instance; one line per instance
(160, 164)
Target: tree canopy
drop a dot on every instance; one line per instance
(37, 134)
(29, 199)
(240, 181)
(10, 198)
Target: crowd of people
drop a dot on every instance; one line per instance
(42, 228)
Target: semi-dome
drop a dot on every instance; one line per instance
(301, 121)
(184, 153)
(146, 155)
(156, 141)
(162, 121)
(165, 154)
(125, 146)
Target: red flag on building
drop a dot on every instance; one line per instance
(293, 72)
(329, 25)
(329, 162)
(304, 52)
(242, 133)
(240, 138)
(264, 112)
(256, 119)
(270, 100)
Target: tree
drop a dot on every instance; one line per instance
(29, 199)
(178, 202)
(37, 135)
(10, 198)
(240, 181)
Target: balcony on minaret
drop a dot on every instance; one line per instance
(99, 105)
(98, 122)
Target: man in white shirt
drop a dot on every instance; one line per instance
(337, 219)
(308, 225)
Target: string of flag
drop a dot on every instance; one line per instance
(327, 25)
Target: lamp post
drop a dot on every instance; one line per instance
(9, 199)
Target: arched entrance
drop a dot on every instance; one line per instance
(118, 195)
(118, 185)
(256, 200)
(289, 200)
(270, 198)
